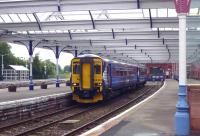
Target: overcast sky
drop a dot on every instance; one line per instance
(44, 54)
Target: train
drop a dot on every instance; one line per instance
(94, 79)
(156, 74)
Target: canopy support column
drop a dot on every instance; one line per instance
(57, 50)
(182, 122)
(76, 53)
(30, 49)
(57, 53)
(182, 110)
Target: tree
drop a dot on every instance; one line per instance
(67, 68)
(50, 67)
(39, 68)
(38, 65)
(9, 58)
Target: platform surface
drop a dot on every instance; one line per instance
(154, 118)
(23, 92)
(5, 84)
(193, 81)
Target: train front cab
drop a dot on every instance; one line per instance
(87, 80)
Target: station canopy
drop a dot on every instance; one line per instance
(131, 31)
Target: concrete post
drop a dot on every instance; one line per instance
(182, 125)
(57, 68)
(31, 86)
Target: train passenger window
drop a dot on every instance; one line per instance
(125, 73)
(97, 69)
(76, 69)
(121, 73)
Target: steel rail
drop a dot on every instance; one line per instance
(29, 131)
(77, 130)
(37, 118)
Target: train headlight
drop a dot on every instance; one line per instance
(75, 84)
(98, 84)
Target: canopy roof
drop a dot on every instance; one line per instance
(133, 31)
(19, 67)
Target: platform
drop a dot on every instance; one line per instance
(152, 117)
(23, 92)
(193, 81)
(5, 84)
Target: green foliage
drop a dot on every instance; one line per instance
(67, 68)
(9, 58)
(38, 65)
(39, 68)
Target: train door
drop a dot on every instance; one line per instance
(98, 76)
(109, 76)
(75, 77)
(87, 78)
(86, 74)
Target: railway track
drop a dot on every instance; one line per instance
(33, 124)
(20, 110)
(88, 116)
(107, 115)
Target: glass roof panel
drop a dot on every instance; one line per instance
(1, 20)
(6, 18)
(168, 29)
(153, 12)
(38, 32)
(52, 31)
(162, 12)
(59, 31)
(31, 17)
(15, 18)
(64, 16)
(120, 14)
(172, 13)
(13, 0)
(23, 17)
(146, 13)
(31, 32)
(194, 12)
(45, 32)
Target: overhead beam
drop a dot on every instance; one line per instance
(92, 19)
(78, 5)
(158, 22)
(170, 22)
(150, 19)
(38, 21)
(104, 35)
(138, 4)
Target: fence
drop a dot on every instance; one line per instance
(10, 74)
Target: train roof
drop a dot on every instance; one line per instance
(106, 60)
(88, 55)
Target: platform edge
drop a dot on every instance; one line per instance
(100, 129)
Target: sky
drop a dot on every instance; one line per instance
(44, 54)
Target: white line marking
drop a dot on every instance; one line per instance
(98, 130)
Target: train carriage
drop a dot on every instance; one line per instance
(94, 79)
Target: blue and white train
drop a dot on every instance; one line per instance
(94, 79)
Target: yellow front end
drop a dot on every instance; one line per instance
(87, 78)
